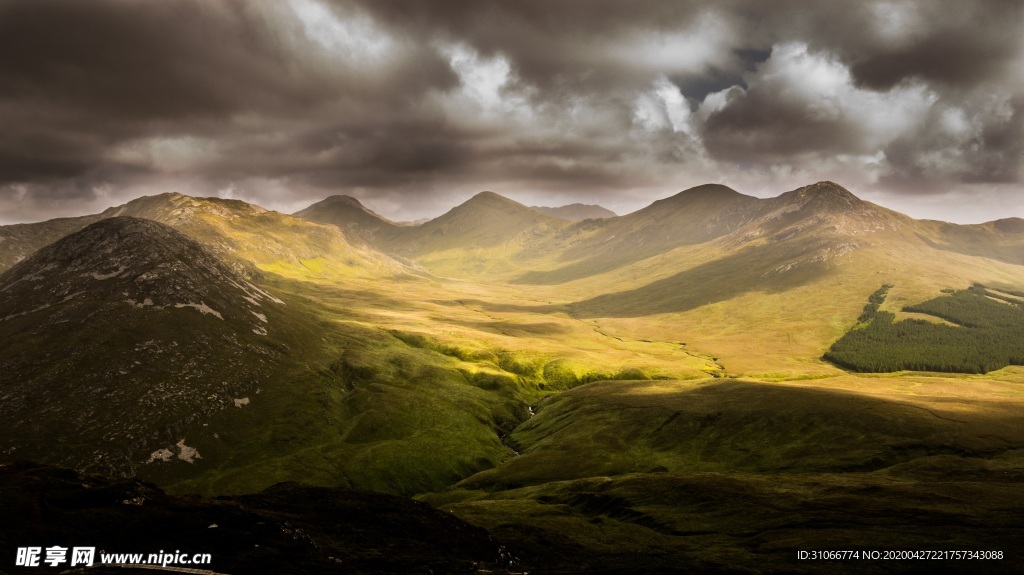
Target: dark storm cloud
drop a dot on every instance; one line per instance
(758, 126)
(419, 102)
(78, 76)
(953, 45)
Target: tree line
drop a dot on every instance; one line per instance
(988, 335)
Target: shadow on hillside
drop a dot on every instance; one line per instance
(511, 328)
(983, 426)
(977, 244)
(611, 428)
(490, 306)
(592, 266)
(345, 300)
(755, 269)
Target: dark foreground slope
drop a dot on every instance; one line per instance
(737, 477)
(288, 528)
(117, 337)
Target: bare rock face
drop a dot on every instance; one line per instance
(114, 338)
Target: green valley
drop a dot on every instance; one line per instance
(697, 386)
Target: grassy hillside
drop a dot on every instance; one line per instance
(481, 237)
(735, 476)
(396, 397)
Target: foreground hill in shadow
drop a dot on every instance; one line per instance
(288, 528)
(734, 476)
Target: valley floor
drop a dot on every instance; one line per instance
(591, 430)
(648, 452)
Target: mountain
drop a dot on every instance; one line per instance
(484, 233)
(609, 394)
(693, 216)
(999, 240)
(245, 236)
(485, 220)
(127, 316)
(18, 241)
(577, 212)
(739, 273)
(129, 348)
(351, 216)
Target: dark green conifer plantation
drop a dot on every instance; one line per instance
(989, 335)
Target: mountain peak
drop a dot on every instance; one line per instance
(823, 196)
(130, 260)
(492, 198)
(343, 199)
(488, 202)
(707, 199)
(339, 202)
(487, 219)
(704, 191)
(350, 215)
(1009, 225)
(133, 326)
(711, 189)
(827, 189)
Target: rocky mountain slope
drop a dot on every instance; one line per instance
(243, 235)
(127, 316)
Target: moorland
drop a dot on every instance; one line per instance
(708, 384)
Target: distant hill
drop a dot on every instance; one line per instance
(487, 219)
(481, 234)
(18, 241)
(121, 334)
(577, 212)
(351, 216)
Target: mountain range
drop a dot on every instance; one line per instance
(541, 374)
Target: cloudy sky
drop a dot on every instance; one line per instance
(415, 106)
